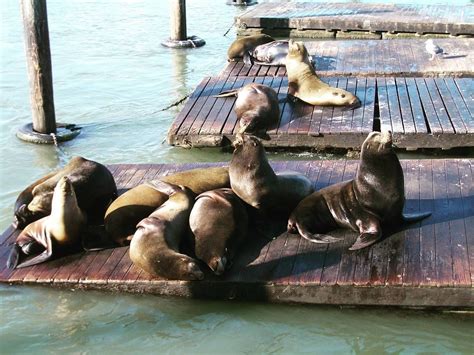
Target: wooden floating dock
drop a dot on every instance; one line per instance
(421, 113)
(355, 20)
(427, 264)
(397, 57)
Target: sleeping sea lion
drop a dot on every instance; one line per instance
(155, 244)
(137, 203)
(375, 197)
(256, 108)
(244, 44)
(304, 84)
(93, 184)
(219, 224)
(272, 53)
(52, 235)
(254, 181)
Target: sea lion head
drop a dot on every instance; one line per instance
(378, 143)
(297, 50)
(251, 148)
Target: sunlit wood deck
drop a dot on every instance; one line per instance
(428, 264)
(355, 20)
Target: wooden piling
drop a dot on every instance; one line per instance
(178, 20)
(38, 58)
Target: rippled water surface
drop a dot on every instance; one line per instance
(112, 76)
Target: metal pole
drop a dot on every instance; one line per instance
(38, 58)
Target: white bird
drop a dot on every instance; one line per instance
(433, 49)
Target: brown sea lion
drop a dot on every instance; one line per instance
(304, 84)
(256, 108)
(93, 184)
(242, 45)
(155, 245)
(51, 235)
(374, 198)
(137, 203)
(219, 224)
(254, 181)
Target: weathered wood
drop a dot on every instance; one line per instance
(357, 17)
(178, 20)
(429, 259)
(38, 59)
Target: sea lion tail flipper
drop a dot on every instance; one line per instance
(227, 93)
(316, 238)
(165, 187)
(44, 256)
(248, 59)
(14, 257)
(96, 238)
(415, 217)
(364, 240)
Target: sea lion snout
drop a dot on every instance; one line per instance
(291, 227)
(218, 264)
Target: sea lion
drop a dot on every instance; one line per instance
(219, 224)
(272, 53)
(244, 44)
(375, 197)
(304, 84)
(93, 184)
(256, 108)
(155, 244)
(254, 181)
(51, 235)
(137, 203)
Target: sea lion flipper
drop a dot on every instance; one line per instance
(227, 93)
(41, 258)
(415, 217)
(164, 187)
(248, 59)
(365, 239)
(14, 256)
(316, 237)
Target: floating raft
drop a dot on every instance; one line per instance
(427, 264)
(355, 20)
(421, 113)
(397, 57)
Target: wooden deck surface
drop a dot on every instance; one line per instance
(337, 18)
(397, 57)
(427, 264)
(421, 113)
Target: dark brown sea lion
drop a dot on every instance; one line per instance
(272, 53)
(155, 245)
(219, 224)
(254, 181)
(304, 84)
(256, 108)
(242, 45)
(93, 184)
(374, 198)
(137, 203)
(51, 235)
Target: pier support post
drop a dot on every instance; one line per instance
(38, 57)
(179, 37)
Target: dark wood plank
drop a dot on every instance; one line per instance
(405, 107)
(394, 106)
(467, 193)
(466, 88)
(384, 107)
(439, 107)
(416, 107)
(464, 114)
(430, 112)
(358, 113)
(451, 107)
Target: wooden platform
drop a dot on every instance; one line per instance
(349, 20)
(397, 57)
(421, 113)
(428, 264)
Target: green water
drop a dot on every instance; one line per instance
(112, 76)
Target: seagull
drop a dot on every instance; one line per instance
(433, 49)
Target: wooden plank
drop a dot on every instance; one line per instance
(439, 107)
(394, 107)
(358, 113)
(467, 193)
(464, 114)
(384, 107)
(431, 117)
(416, 107)
(346, 119)
(444, 258)
(405, 107)
(466, 88)
(327, 112)
(451, 107)
(188, 106)
(459, 247)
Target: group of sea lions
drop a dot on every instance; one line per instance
(204, 214)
